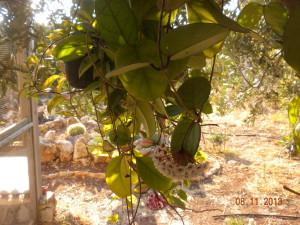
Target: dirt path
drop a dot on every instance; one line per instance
(255, 166)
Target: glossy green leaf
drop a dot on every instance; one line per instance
(174, 110)
(86, 10)
(197, 61)
(120, 136)
(213, 50)
(170, 5)
(182, 194)
(194, 92)
(146, 117)
(87, 63)
(55, 101)
(207, 11)
(145, 83)
(250, 15)
(159, 107)
(126, 69)
(142, 8)
(192, 139)
(192, 39)
(117, 22)
(293, 110)
(291, 37)
(177, 202)
(72, 47)
(50, 80)
(151, 176)
(207, 108)
(117, 176)
(179, 134)
(276, 15)
(176, 68)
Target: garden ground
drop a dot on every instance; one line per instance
(255, 166)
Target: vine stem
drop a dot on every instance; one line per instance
(172, 207)
(290, 190)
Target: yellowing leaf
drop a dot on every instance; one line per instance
(117, 176)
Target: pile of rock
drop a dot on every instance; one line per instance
(66, 140)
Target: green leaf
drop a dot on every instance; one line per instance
(197, 61)
(117, 22)
(174, 110)
(180, 133)
(86, 10)
(114, 101)
(293, 110)
(58, 99)
(276, 15)
(126, 69)
(213, 50)
(178, 202)
(182, 194)
(117, 176)
(207, 11)
(120, 136)
(207, 108)
(159, 107)
(176, 68)
(291, 37)
(194, 92)
(142, 8)
(170, 5)
(87, 63)
(50, 80)
(146, 117)
(192, 39)
(192, 139)
(250, 15)
(151, 176)
(72, 47)
(146, 83)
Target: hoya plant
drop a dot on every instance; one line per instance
(139, 66)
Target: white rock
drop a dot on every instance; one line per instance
(48, 150)
(72, 120)
(80, 149)
(57, 124)
(85, 119)
(65, 149)
(50, 135)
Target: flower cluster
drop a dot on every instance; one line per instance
(155, 201)
(165, 163)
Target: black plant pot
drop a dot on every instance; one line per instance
(72, 74)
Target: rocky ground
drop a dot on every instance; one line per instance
(255, 166)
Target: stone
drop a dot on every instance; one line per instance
(72, 120)
(23, 214)
(47, 208)
(57, 124)
(48, 151)
(84, 161)
(65, 149)
(91, 124)
(85, 119)
(80, 149)
(50, 135)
